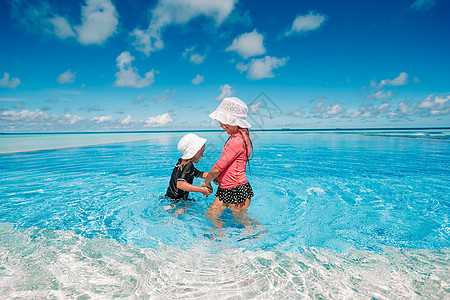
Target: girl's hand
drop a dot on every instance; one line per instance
(208, 186)
(206, 191)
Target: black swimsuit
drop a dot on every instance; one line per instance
(181, 173)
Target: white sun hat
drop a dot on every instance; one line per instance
(190, 144)
(231, 111)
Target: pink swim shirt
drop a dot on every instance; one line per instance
(233, 161)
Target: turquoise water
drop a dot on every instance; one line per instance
(335, 215)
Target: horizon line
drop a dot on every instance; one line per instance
(219, 130)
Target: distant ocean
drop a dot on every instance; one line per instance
(18, 142)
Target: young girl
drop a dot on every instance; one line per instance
(192, 147)
(234, 190)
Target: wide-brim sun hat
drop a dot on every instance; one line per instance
(190, 144)
(231, 111)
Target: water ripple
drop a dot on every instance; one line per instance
(332, 217)
(45, 263)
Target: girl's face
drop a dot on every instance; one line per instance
(198, 155)
(228, 128)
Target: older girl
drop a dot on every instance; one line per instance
(234, 190)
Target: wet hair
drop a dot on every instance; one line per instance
(246, 146)
(245, 142)
(184, 162)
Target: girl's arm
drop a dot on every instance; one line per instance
(212, 174)
(185, 186)
(205, 174)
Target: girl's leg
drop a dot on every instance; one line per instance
(182, 210)
(240, 213)
(215, 211)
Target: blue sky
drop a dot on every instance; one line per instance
(110, 65)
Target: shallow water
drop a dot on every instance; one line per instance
(334, 216)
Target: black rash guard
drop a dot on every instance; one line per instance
(181, 173)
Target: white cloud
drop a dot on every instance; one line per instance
(103, 119)
(255, 107)
(193, 57)
(24, 114)
(37, 119)
(9, 83)
(99, 22)
(26, 120)
(226, 92)
(416, 80)
(159, 120)
(68, 76)
(198, 79)
(128, 75)
(293, 113)
(402, 79)
(248, 44)
(380, 95)
(318, 108)
(127, 120)
(140, 98)
(383, 107)
(262, 67)
(431, 106)
(423, 4)
(322, 111)
(163, 98)
(61, 27)
(188, 51)
(68, 118)
(242, 67)
(437, 106)
(404, 109)
(197, 58)
(334, 109)
(179, 12)
(368, 110)
(305, 23)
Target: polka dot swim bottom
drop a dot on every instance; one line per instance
(235, 195)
